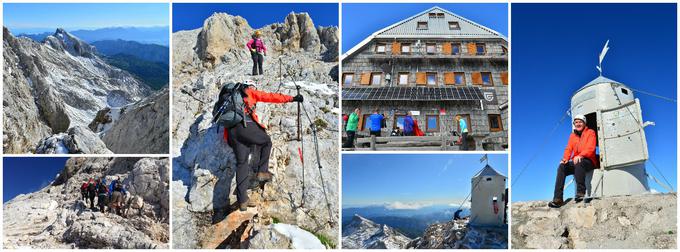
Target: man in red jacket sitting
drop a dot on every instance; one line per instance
(579, 158)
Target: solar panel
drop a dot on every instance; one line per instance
(413, 93)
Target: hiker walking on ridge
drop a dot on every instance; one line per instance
(102, 192)
(117, 194)
(235, 110)
(579, 158)
(83, 191)
(91, 192)
(257, 52)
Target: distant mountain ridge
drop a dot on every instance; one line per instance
(148, 52)
(411, 222)
(145, 35)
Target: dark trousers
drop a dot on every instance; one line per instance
(240, 140)
(257, 63)
(350, 139)
(464, 141)
(408, 133)
(375, 133)
(91, 197)
(579, 171)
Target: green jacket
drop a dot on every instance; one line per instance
(352, 122)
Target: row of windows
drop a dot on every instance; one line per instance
(426, 78)
(454, 48)
(432, 122)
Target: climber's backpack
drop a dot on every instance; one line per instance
(119, 187)
(229, 109)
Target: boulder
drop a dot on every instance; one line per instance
(641, 221)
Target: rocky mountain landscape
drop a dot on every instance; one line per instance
(633, 222)
(56, 89)
(56, 216)
(457, 234)
(203, 163)
(362, 233)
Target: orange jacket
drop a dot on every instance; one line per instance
(582, 146)
(254, 96)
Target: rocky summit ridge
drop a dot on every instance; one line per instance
(57, 217)
(58, 87)
(642, 221)
(204, 165)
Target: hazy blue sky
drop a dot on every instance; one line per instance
(28, 174)
(411, 178)
(555, 49)
(189, 16)
(41, 17)
(360, 20)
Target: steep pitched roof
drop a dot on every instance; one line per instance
(437, 28)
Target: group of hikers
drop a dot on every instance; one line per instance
(111, 196)
(409, 127)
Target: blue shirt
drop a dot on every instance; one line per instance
(408, 124)
(463, 126)
(376, 122)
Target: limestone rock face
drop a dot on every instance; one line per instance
(22, 122)
(204, 164)
(221, 34)
(77, 140)
(141, 127)
(56, 216)
(457, 234)
(54, 86)
(642, 221)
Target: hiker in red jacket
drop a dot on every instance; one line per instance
(257, 52)
(244, 135)
(579, 158)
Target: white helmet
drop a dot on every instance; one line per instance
(580, 117)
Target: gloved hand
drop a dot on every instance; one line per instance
(297, 98)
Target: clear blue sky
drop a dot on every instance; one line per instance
(555, 49)
(42, 17)
(189, 16)
(372, 179)
(28, 174)
(360, 20)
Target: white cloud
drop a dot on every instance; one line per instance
(410, 206)
(447, 166)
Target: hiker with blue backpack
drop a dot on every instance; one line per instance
(235, 111)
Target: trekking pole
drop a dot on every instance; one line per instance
(301, 149)
(318, 162)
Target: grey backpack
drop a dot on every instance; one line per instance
(229, 109)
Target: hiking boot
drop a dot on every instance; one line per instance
(579, 197)
(556, 203)
(264, 176)
(254, 184)
(245, 205)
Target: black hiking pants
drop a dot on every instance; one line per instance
(91, 196)
(350, 139)
(464, 141)
(578, 170)
(241, 139)
(257, 63)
